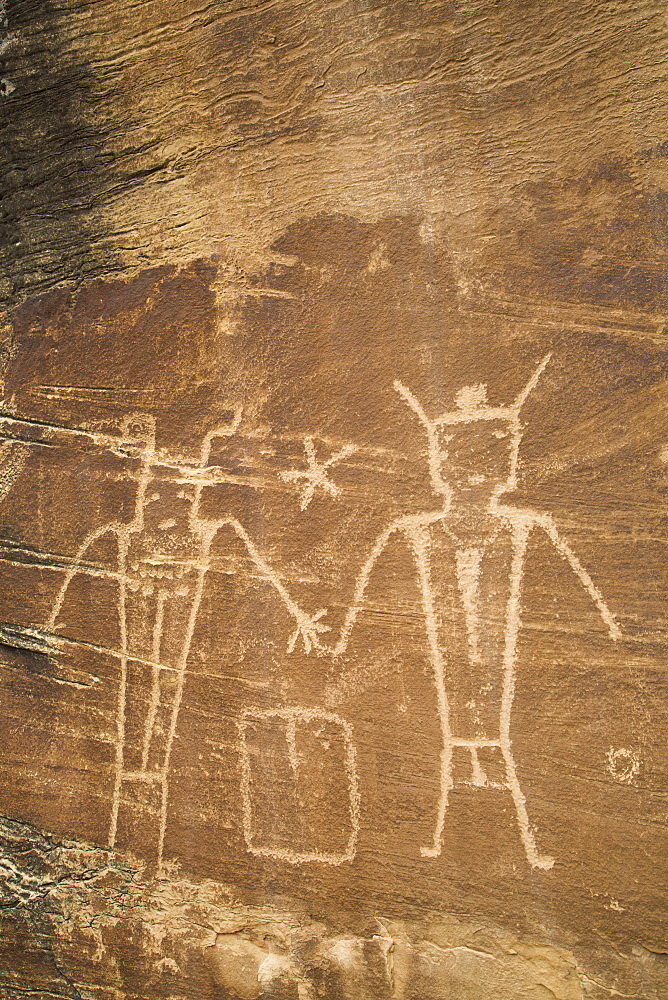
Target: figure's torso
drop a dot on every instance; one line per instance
(471, 575)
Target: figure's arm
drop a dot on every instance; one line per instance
(308, 626)
(563, 548)
(360, 588)
(76, 567)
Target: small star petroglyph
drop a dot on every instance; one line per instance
(316, 474)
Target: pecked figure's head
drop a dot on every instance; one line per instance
(473, 449)
(477, 452)
(137, 435)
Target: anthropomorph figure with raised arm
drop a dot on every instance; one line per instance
(163, 556)
(469, 559)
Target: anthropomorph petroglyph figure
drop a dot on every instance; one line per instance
(163, 557)
(469, 559)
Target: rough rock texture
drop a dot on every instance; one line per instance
(333, 470)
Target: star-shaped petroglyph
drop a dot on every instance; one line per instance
(315, 476)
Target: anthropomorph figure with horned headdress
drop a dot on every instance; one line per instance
(473, 458)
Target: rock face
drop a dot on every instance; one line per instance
(333, 462)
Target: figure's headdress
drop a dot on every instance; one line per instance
(225, 431)
(470, 405)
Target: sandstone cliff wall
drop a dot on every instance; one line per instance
(333, 462)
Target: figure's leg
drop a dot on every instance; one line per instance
(535, 859)
(196, 600)
(122, 685)
(154, 703)
(446, 784)
(478, 776)
(138, 797)
(138, 791)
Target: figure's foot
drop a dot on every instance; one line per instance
(541, 861)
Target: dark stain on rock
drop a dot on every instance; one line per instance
(77, 348)
(53, 162)
(598, 239)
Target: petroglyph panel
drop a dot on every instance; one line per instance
(333, 462)
(421, 575)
